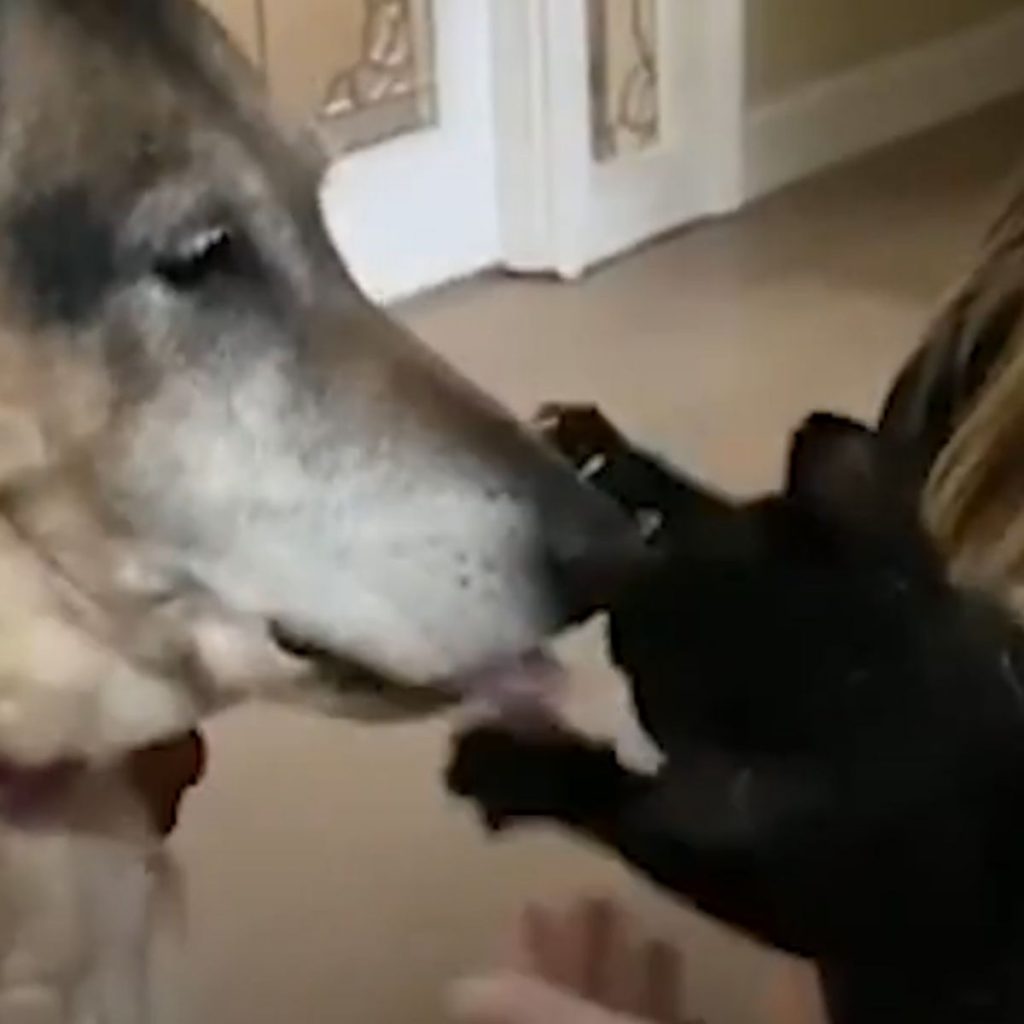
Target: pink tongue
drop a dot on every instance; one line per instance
(526, 688)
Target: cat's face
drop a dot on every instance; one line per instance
(792, 611)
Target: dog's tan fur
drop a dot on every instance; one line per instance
(209, 440)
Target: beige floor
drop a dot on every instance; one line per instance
(331, 880)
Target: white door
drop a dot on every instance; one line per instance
(538, 135)
(402, 92)
(418, 208)
(622, 120)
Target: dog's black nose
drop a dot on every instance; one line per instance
(591, 565)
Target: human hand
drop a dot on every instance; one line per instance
(577, 967)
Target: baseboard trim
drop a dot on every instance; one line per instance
(842, 117)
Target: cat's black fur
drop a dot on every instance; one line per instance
(843, 734)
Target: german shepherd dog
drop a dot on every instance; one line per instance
(223, 474)
(842, 730)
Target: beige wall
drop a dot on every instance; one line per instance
(239, 17)
(308, 42)
(793, 42)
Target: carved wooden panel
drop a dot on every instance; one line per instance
(625, 106)
(362, 69)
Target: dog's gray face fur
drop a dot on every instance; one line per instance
(190, 369)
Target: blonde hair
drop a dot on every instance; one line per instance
(974, 499)
(974, 496)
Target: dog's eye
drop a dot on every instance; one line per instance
(197, 259)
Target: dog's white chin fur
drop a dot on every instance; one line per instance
(64, 693)
(71, 690)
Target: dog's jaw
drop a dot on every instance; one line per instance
(65, 694)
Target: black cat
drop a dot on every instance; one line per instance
(842, 729)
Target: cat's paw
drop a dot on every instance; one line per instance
(581, 434)
(512, 778)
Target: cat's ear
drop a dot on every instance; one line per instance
(841, 472)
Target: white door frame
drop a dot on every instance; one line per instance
(506, 178)
(419, 210)
(559, 210)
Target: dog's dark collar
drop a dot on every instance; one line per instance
(160, 775)
(27, 794)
